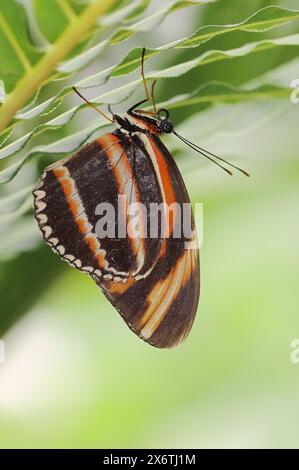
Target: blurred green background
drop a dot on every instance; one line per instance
(74, 374)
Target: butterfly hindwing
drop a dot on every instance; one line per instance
(161, 306)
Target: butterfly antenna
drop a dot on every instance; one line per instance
(143, 75)
(92, 105)
(153, 96)
(209, 155)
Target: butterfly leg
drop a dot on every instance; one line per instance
(147, 94)
(93, 106)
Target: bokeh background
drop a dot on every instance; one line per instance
(75, 376)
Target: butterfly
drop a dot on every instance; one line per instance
(153, 281)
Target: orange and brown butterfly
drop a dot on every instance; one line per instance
(152, 281)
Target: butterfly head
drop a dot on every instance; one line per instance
(164, 123)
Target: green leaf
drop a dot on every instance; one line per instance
(24, 271)
(5, 136)
(153, 20)
(15, 206)
(137, 11)
(218, 55)
(81, 59)
(208, 93)
(261, 21)
(9, 217)
(13, 201)
(17, 54)
(174, 71)
(132, 61)
(59, 148)
(24, 68)
(46, 9)
(23, 237)
(218, 92)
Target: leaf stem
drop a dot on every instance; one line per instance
(33, 79)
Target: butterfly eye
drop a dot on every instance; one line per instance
(163, 114)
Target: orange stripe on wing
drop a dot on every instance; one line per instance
(165, 176)
(165, 182)
(154, 299)
(167, 185)
(164, 294)
(78, 212)
(74, 206)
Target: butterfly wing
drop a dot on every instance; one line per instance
(152, 281)
(72, 194)
(161, 305)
